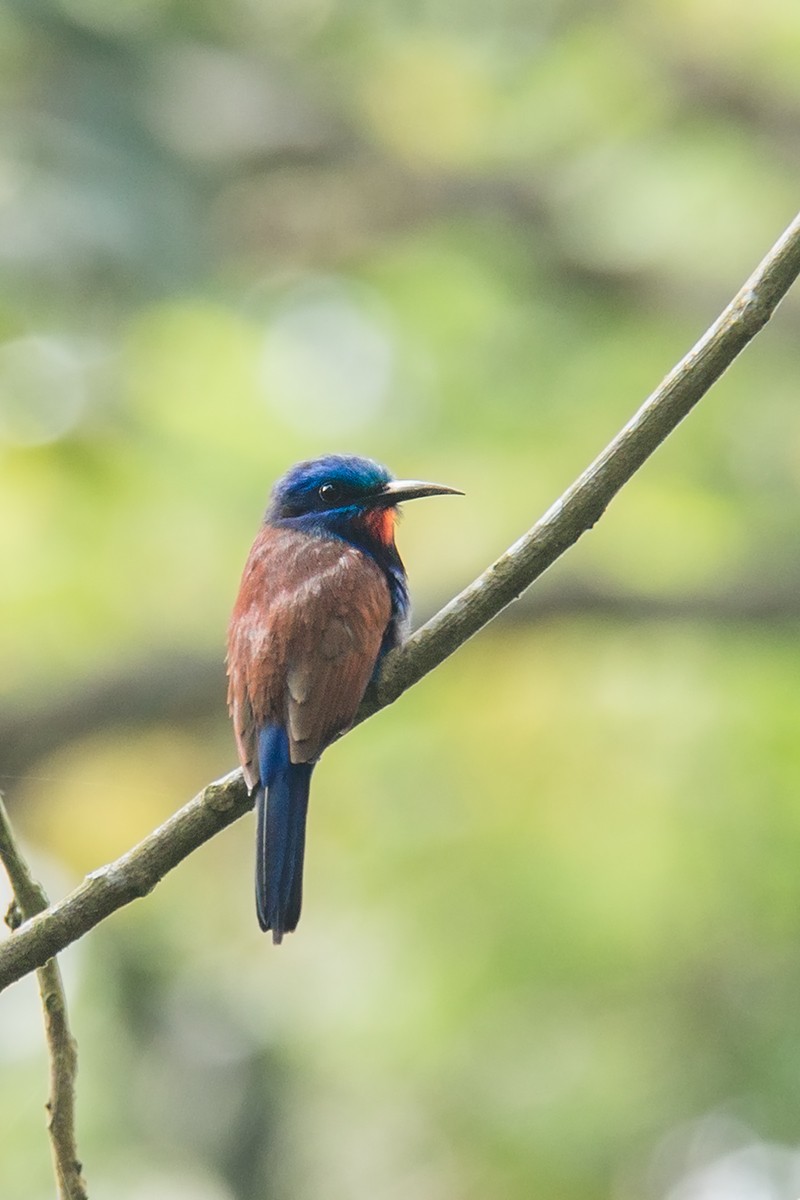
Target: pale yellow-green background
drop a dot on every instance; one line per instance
(551, 939)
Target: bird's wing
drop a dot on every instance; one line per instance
(244, 729)
(255, 660)
(345, 612)
(303, 641)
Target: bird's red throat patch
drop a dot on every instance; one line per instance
(381, 522)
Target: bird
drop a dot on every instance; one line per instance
(323, 597)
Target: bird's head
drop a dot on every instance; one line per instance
(341, 488)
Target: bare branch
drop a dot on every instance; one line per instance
(127, 878)
(221, 803)
(30, 899)
(587, 499)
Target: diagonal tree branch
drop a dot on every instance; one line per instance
(29, 899)
(587, 499)
(218, 805)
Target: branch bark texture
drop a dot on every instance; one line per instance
(576, 511)
(30, 899)
(581, 506)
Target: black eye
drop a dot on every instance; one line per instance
(330, 492)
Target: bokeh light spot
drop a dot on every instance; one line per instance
(42, 390)
(327, 364)
(430, 101)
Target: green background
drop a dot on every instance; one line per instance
(551, 938)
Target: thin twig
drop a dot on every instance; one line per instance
(224, 801)
(30, 899)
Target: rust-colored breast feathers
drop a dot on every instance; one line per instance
(303, 641)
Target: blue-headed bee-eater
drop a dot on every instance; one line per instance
(323, 597)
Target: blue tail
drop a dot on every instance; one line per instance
(281, 833)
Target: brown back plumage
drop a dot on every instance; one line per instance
(303, 641)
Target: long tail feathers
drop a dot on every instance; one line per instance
(281, 834)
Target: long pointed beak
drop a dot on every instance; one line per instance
(411, 489)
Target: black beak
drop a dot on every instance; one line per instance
(410, 489)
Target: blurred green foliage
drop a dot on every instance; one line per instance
(550, 940)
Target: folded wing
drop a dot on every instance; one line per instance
(303, 641)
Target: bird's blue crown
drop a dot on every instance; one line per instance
(323, 485)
